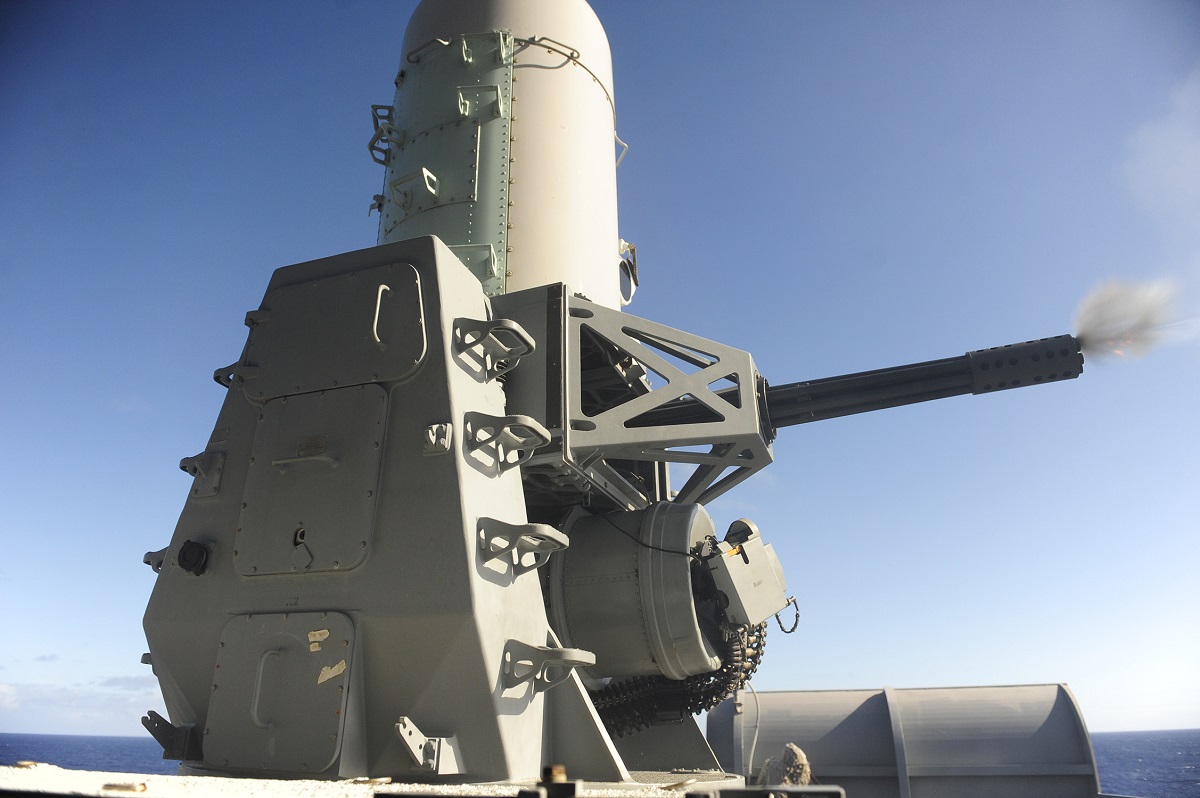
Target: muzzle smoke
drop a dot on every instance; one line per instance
(1119, 319)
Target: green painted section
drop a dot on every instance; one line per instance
(445, 142)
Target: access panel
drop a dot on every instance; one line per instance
(311, 483)
(279, 692)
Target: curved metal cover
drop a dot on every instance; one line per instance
(632, 605)
(1026, 740)
(279, 692)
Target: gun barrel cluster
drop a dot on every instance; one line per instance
(982, 371)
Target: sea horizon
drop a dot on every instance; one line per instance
(1150, 763)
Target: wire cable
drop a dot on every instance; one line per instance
(641, 542)
(795, 621)
(757, 725)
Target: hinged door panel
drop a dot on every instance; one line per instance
(309, 503)
(348, 329)
(279, 692)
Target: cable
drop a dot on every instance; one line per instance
(641, 542)
(757, 725)
(795, 621)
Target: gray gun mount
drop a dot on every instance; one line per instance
(433, 537)
(358, 585)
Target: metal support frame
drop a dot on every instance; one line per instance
(437, 755)
(725, 448)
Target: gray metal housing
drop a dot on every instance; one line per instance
(1027, 740)
(360, 573)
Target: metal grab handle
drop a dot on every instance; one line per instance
(511, 440)
(542, 665)
(283, 462)
(571, 52)
(500, 343)
(259, 680)
(413, 56)
(378, 302)
(498, 539)
(624, 149)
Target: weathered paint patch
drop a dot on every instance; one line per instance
(329, 671)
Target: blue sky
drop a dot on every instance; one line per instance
(831, 186)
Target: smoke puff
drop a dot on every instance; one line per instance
(1124, 319)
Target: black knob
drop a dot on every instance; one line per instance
(193, 557)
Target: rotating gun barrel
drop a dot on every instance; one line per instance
(982, 371)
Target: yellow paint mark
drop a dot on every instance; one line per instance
(314, 646)
(318, 635)
(329, 671)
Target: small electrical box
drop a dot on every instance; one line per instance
(750, 575)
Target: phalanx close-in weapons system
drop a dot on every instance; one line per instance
(432, 536)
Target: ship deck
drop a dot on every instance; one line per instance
(44, 779)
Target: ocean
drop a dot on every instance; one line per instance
(1157, 764)
(1153, 764)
